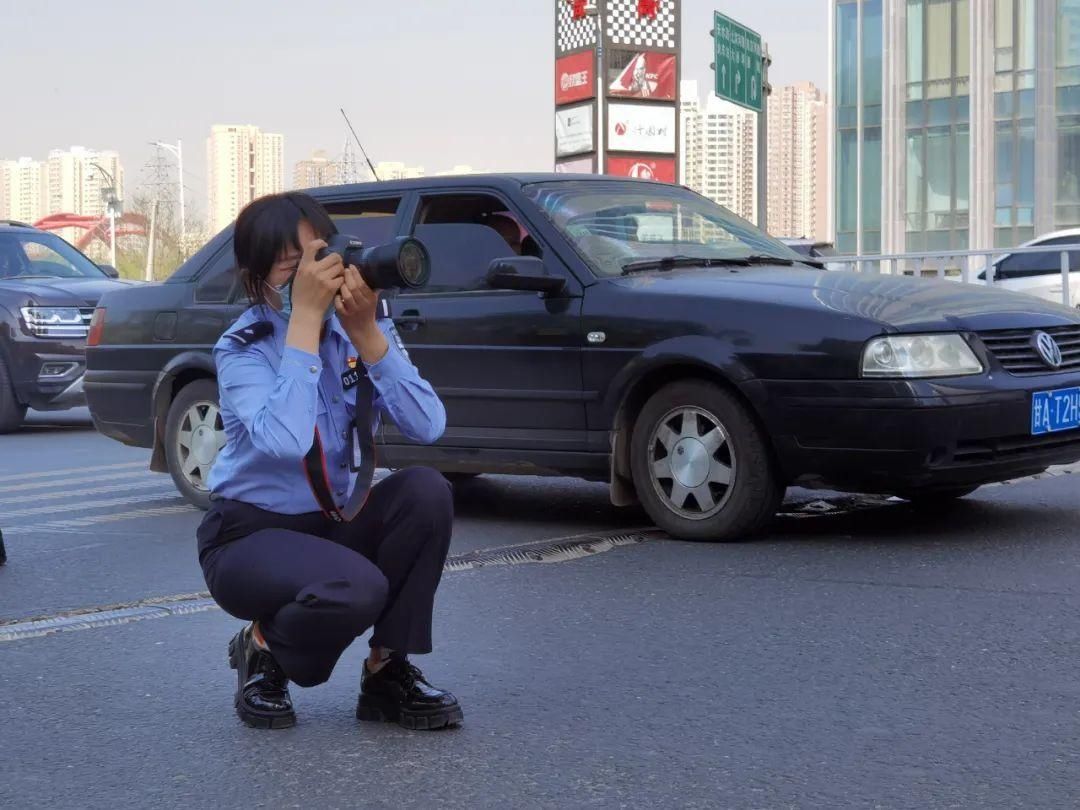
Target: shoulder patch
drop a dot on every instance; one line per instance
(252, 333)
(397, 339)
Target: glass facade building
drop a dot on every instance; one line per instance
(956, 123)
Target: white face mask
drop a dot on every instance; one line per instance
(284, 295)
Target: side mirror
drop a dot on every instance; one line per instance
(109, 270)
(523, 273)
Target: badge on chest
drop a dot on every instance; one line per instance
(350, 377)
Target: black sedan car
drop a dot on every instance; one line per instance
(636, 333)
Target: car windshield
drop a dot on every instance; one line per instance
(620, 223)
(35, 254)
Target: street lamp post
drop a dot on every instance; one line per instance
(113, 206)
(592, 10)
(177, 151)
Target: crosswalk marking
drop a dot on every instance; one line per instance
(71, 524)
(70, 501)
(88, 505)
(164, 484)
(86, 479)
(72, 471)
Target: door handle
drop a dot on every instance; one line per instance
(410, 320)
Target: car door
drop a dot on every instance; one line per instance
(506, 363)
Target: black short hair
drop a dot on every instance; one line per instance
(266, 227)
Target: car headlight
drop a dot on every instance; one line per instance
(913, 356)
(57, 322)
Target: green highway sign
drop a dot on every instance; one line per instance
(738, 62)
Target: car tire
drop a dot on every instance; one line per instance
(12, 412)
(725, 486)
(935, 497)
(194, 435)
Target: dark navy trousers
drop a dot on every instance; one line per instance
(315, 585)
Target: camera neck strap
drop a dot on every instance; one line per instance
(362, 442)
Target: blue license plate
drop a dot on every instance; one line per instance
(1054, 411)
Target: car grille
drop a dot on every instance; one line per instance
(1015, 349)
(86, 313)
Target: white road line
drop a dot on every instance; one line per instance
(85, 506)
(165, 485)
(77, 523)
(85, 479)
(72, 471)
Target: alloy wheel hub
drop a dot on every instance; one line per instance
(690, 463)
(204, 445)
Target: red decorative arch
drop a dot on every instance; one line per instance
(94, 227)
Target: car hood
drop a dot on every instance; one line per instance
(904, 304)
(59, 292)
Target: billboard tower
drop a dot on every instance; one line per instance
(617, 66)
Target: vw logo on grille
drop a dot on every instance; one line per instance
(1048, 349)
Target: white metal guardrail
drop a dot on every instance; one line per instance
(967, 266)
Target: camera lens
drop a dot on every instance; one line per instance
(413, 264)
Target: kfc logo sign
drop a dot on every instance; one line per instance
(642, 75)
(575, 78)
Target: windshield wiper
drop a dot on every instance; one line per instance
(670, 262)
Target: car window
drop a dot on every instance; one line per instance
(220, 283)
(619, 222)
(26, 254)
(461, 255)
(480, 209)
(371, 221)
(1031, 265)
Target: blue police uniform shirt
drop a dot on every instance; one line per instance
(273, 396)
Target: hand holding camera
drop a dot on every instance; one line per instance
(356, 305)
(317, 281)
(401, 263)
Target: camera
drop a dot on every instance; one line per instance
(404, 262)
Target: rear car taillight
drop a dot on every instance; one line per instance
(97, 327)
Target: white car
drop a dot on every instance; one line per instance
(1039, 274)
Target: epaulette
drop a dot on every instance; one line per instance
(252, 333)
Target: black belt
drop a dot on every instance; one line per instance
(360, 437)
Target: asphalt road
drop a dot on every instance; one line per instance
(879, 658)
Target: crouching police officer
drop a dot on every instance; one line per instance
(286, 545)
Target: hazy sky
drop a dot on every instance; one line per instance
(429, 82)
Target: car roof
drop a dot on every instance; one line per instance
(1039, 241)
(13, 225)
(1053, 235)
(509, 181)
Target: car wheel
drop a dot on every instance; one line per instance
(701, 465)
(194, 434)
(12, 412)
(933, 497)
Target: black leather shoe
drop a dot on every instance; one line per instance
(262, 690)
(398, 693)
